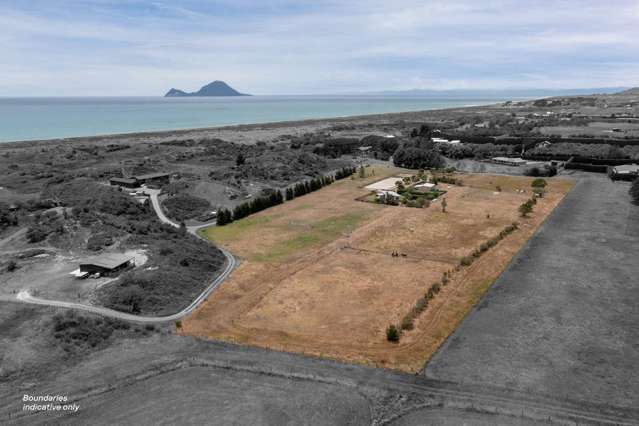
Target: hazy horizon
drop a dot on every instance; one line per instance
(417, 93)
(144, 47)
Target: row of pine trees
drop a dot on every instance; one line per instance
(225, 216)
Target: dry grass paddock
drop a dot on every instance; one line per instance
(317, 275)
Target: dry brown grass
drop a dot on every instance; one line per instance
(317, 275)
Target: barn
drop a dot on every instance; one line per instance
(154, 179)
(106, 264)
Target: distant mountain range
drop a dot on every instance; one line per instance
(632, 91)
(217, 88)
(492, 93)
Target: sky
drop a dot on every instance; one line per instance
(143, 48)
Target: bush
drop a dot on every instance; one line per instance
(12, 266)
(466, 261)
(36, 234)
(526, 208)
(76, 332)
(417, 158)
(407, 322)
(186, 206)
(392, 333)
(538, 183)
(99, 240)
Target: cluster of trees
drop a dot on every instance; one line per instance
(44, 225)
(224, 216)
(394, 332)
(589, 150)
(418, 154)
(344, 172)
(303, 188)
(337, 147)
(447, 179)
(186, 206)
(258, 204)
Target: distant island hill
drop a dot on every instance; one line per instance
(217, 88)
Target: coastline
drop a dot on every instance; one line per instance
(310, 124)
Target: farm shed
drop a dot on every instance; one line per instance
(107, 264)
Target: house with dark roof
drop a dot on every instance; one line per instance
(124, 182)
(106, 264)
(155, 179)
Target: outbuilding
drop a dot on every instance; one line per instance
(107, 264)
(154, 179)
(124, 182)
(508, 161)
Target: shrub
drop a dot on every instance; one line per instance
(185, 206)
(445, 279)
(526, 208)
(76, 332)
(466, 261)
(538, 183)
(421, 305)
(12, 266)
(36, 234)
(407, 322)
(429, 294)
(392, 333)
(99, 240)
(178, 324)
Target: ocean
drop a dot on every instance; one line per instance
(51, 118)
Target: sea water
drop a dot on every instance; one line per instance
(51, 118)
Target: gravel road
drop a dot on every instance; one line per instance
(24, 296)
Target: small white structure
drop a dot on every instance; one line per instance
(78, 273)
(439, 140)
(388, 196)
(425, 185)
(510, 161)
(442, 140)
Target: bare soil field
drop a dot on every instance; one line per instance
(318, 275)
(562, 319)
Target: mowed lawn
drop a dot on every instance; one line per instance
(317, 274)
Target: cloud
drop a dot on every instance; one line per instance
(138, 47)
